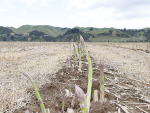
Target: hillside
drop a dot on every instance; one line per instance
(5, 30)
(49, 30)
(108, 34)
(50, 33)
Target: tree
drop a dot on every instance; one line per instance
(12, 34)
(90, 39)
(91, 29)
(27, 34)
(99, 33)
(114, 33)
(29, 39)
(124, 29)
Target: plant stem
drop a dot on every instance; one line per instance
(36, 93)
(102, 89)
(89, 89)
(95, 95)
(75, 55)
(101, 66)
(80, 52)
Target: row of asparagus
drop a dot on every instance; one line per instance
(83, 98)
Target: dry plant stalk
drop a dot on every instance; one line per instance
(31, 57)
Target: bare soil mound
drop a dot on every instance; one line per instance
(122, 94)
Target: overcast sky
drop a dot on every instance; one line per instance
(132, 14)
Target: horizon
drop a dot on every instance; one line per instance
(71, 13)
(70, 27)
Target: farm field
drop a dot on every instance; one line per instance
(126, 72)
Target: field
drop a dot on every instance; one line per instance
(126, 71)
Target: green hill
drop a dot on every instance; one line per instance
(49, 30)
(108, 34)
(95, 30)
(5, 30)
(50, 33)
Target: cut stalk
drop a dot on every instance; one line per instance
(36, 93)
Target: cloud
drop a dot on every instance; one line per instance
(125, 8)
(117, 4)
(6, 6)
(111, 17)
(97, 15)
(35, 3)
(2, 9)
(24, 10)
(108, 11)
(70, 13)
(12, 4)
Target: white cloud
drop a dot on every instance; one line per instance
(125, 8)
(35, 3)
(70, 13)
(2, 9)
(92, 16)
(24, 10)
(6, 5)
(110, 17)
(118, 4)
(102, 13)
(11, 4)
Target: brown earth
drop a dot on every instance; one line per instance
(121, 93)
(133, 63)
(127, 76)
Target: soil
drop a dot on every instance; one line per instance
(121, 93)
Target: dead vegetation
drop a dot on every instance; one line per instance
(38, 59)
(43, 59)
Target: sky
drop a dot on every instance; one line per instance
(129, 14)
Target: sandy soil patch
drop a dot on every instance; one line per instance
(37, 59)
(131, 63)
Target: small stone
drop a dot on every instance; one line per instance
(123, 94)
(68, 94)
(69, 110)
